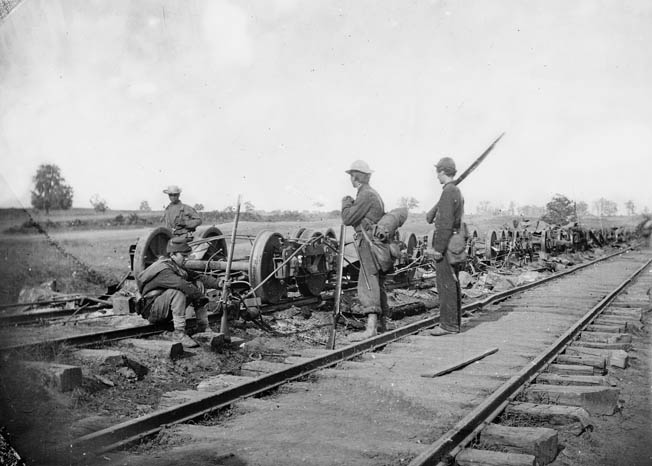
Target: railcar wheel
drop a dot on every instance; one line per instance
(149, 248)
(491, 245)
(314, 272)
(412, 251)
(261, 265)
(213, 250)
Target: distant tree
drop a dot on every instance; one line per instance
(604, 207)
(50, 189)
(630, 208)
(318, 205)
(144, 206)
(646, 210)
(408, 202)
(198, 207)
(99, 204)
(249, 207)
(581, 208)
(559, 211)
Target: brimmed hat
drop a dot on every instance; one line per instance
(360, 166)
(172, 189)
(446, 163)
(178, 244)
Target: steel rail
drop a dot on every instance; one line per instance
(145, 330)
(464, 431)
(37, 316)
(132, 431)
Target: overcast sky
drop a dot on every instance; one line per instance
(273, 99)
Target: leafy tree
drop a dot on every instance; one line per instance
(249, 207)
(50, 189)
(198, 207)
(581, 208)
(630, 207)
(144, 206)
(560, 211)
(408, 202)
(605, 207)
(98, 203)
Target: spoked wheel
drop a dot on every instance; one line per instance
(491, 247)
(261, 265)
(314, 273)
(149, 248)
(411, 244)
(212, 250)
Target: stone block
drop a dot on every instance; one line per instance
(61, 376)
(123, 305)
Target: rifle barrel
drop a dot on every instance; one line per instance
(478, 161)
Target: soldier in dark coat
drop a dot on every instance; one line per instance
(447, 216)
(167, 288)
(362, 213)
(179, 217)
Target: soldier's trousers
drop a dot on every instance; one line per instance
(373, 299)
(450, 297)
(171, 303)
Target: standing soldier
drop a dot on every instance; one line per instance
(179, 217)
(363, 213)
(447, 215)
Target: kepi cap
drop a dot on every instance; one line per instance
(446, 163)
(172, 189)
(360, 166)
(178, 244)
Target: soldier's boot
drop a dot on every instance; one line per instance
(180, 334)
(202, 320)
(370, 330)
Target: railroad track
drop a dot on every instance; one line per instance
(364, 400)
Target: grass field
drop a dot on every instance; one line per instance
(88, 261)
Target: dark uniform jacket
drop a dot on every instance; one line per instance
(365, 211)
(165, 274)
(448, 215)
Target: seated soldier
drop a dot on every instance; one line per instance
(166, 288)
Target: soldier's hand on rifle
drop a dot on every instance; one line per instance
(347, 201)
(438, 256)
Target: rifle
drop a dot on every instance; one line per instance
(338, 287)
(226, 287)
(477, 162)
(433, 212)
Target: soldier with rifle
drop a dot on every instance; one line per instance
(362, 213)
(447, 217)
(179, 217)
